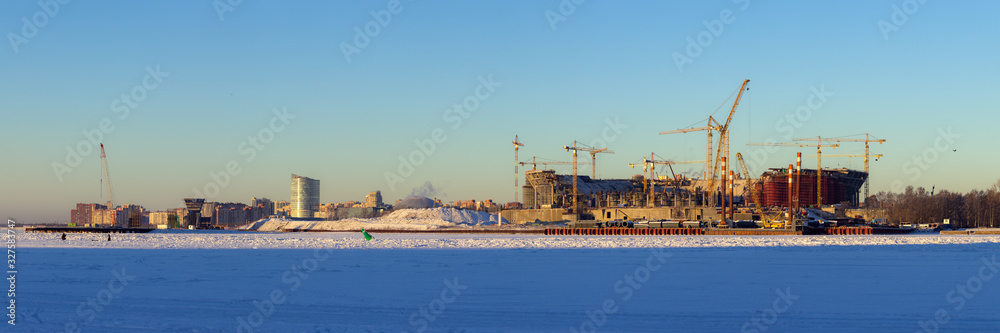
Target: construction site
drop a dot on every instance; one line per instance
(726, 196)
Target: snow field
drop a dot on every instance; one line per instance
(183, 281)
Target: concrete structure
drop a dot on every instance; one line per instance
(547, 196)
(609, 214)
(305, 197)
(546, 189)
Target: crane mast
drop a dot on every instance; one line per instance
(517, 144)
(867, 140)
(723, 151)
(593, 152)
(107, 178)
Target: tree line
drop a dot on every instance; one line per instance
(977, 208)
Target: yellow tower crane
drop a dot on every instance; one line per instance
(866, 155)
(650, 165)
(535, 163)
(712, 126)
(770, 220)
(577, 146)
(712, 164)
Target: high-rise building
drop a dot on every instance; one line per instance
(193, 217)
(260, 208)
(208, 211)
(374, 200)
(84, 213)
(282, 207)
(305, 197)
(131, 216)
(103, 218)
(230, 215)
(157, 219)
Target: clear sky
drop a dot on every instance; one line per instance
(558, 74)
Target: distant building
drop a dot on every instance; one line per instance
(131, 216)
(260, 208)
(178, 218)
(281, 208)
(305, 197)
(465, 204)
(208, 211)
(159, 218)
(374, 200)
(230, 215)
(103, 218)
(83, 214)
(193, 217)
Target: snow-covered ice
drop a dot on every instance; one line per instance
(184, 281)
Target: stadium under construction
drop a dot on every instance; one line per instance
(722, 198)
(548, 196)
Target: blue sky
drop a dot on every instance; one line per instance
(606, 62)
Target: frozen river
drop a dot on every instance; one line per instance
(337, 282)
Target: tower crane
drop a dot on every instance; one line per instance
(722, 154)
(517, 144)
(769, 219)
(867, 154)
(723, 149)
(712, 126)
(534, 163)
(819, 161)
(577, 146)
(650, 165)
(107, 178)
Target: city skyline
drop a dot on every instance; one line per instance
(191, 101)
